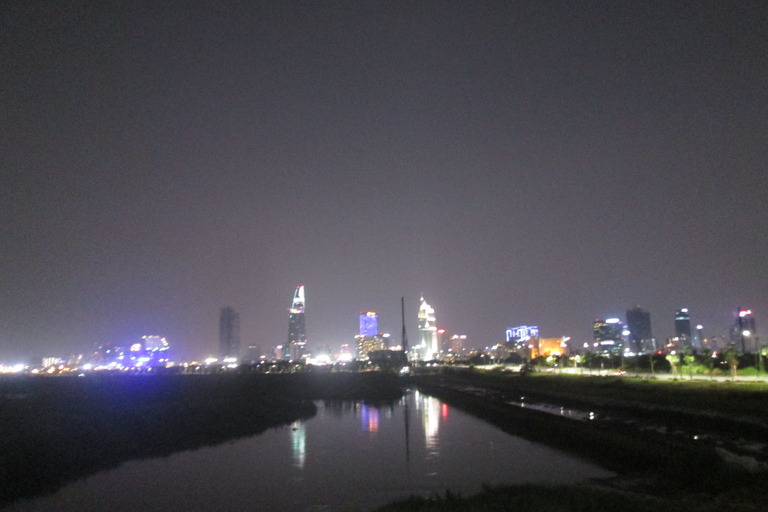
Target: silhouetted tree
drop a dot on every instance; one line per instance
(731, 358)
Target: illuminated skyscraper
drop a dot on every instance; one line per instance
(609, 338)
(683, 327)
(297, 331)
(369, 323)
(698, 337)
(369, 340)
(428, 346)
(229, 334)
(639, 326)
(367, 344)
(522, 339)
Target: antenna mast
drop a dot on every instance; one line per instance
(405, 336)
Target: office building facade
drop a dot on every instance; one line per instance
(683, 328)
(744, 332)
(609, 336)
(229, 334)
(639, 327)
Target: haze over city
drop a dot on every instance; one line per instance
(514, 163)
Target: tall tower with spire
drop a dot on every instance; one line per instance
(428, 346)
(297, 331)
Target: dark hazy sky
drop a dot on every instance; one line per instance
(522, 162)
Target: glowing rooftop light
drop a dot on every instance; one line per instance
(612, 321)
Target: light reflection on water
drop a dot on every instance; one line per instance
(299, 443)
(430, 417)
(350, 456)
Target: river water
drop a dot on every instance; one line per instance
(350, 456)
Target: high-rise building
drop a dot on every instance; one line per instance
(367, 344)
(698, 337)
(683, 327)
(428, 346)
(369, 323)
(458, 344)
(523, 340)
(253, 354)
(297, 331)
(609, 337)
(443, 342)
(522, 332)
(639, 326)
(229, 334)
(744, 333)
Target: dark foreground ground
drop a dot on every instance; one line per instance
(54, 430)
(659, 469)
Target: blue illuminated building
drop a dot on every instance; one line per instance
(369, 323)
(522, 332)
(150, 352)
(522, 338)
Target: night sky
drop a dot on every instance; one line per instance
(522, 162)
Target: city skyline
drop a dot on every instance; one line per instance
(229, 332)
(229, 328)
(517, 163)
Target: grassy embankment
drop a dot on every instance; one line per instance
(54, 430)
(668, 473)
(739, 398)
(584, 498)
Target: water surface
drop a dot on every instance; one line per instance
(350, 456)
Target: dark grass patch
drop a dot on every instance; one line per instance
(535, 498)
(740, 497)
